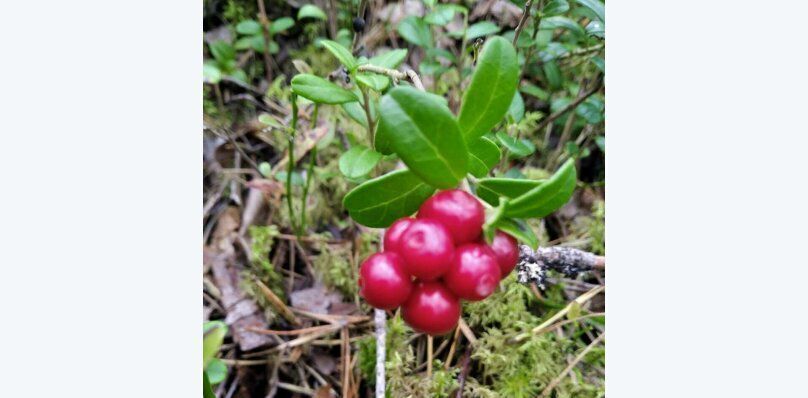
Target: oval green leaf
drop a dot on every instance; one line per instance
(341, 53)
(380, 201)
(547, 197)
(248, 27)
(213, 333)
(519, 230)
(483, 155)
(281, 24)
(319, 90)
(491, 90)
(424, 134)
(373, 81)
(390, 59)
(490, 189)
(358, 161)
(414, 30)
(311, 11)
(480, 29)
(518, 148)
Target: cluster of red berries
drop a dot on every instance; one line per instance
(444, 251)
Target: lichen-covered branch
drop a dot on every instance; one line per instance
(394, 74)
(534, 264)
(380, 321)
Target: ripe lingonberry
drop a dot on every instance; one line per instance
(460, 212)
(431, 309)
(392, 237)
(506, 251)
(383, 281)
(474, 273)
(427, 249)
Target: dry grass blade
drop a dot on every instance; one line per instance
(276, 302)
(574, 362)
(560, 314)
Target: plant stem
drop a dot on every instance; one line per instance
(522, 21)
(309, 175)
(262, 16)
(366, 107)
(290, 167)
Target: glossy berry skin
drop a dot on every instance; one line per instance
(392, 237)
(474, 273)
(431, 309)
(427, 249)
(459, 211)
(383, 281)
(506, 251)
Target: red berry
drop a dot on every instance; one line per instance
(474, 273)
(431, 309)
(427, 249)
(506, 251)
(383, 281)
(461, 213)
(392, 237)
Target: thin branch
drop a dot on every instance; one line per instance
(522, 21)
(380, 320)
(574, 362)
(572, 105)
(394, 74)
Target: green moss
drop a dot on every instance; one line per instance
(261, 267)
(597, 228)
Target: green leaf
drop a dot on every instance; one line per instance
(601, 142)
(595, 28)
(490, 93)
(358, 161)
(319, 90)
(311, 11)
(492, 217)
(248, 27)
(552, 23)
(207, 391)
(547, 197)
(591, 110)
(483, 155)
(440, 16)
(518, 148)
(355, 111)
(281, 24)
(341, 53)
(481, 29)
(555, 7)
(424, 134)
(517, 108)
(222, 51)
(380, 201)
(216, 371)
(596, 7)
(534, 90)
(519, 230)
(297, 178)
(414, 30)
(491, 189)
(211, 73)
(390, 59)
(372, 80)
(553, 74)
(213, 333)
(600, 63)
